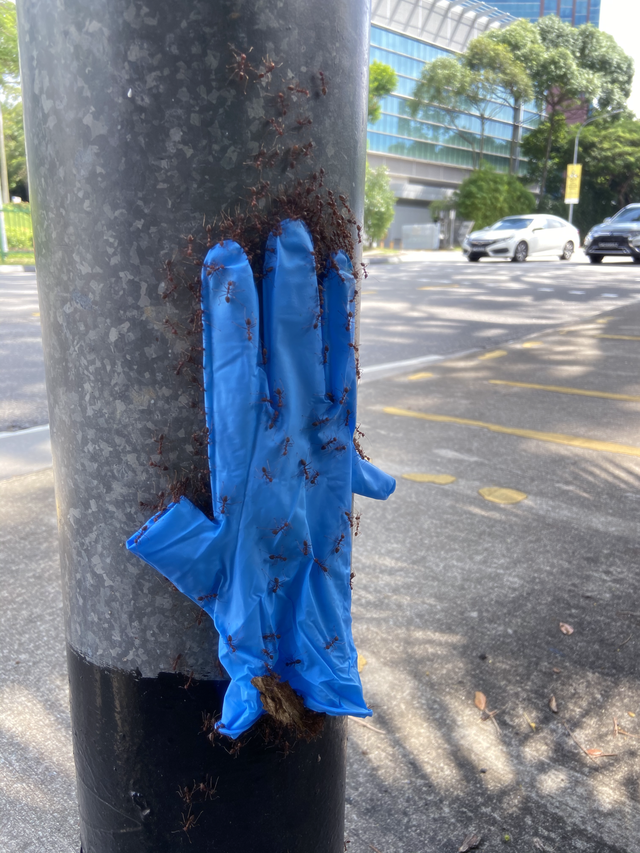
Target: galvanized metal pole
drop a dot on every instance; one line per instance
(136, 131)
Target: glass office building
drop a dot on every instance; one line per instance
(574, 12)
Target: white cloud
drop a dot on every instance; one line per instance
(621, 19)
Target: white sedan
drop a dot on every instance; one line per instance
(519, 237)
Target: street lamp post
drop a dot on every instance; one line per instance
(575, 147)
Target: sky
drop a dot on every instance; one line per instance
(621, 19)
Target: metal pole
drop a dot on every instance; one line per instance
(135, 132)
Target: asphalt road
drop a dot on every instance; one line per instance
(516, 511)
(419, 309)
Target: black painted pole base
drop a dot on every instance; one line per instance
(172, 789)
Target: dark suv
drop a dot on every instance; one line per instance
(619, 235)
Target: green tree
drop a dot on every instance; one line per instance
(15, 150)
(9, 82)
(486, 196)
(379, 203)
(382, 81)
(449, 90)
(513, 82)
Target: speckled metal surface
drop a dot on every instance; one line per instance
(136, 131)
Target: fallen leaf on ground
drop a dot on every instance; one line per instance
(469, 843)
(630, 713)
(532, 724)
(553, 704)
(362, 662)
(599, 753)
(566, 629)
(555, 669)
(480, 701)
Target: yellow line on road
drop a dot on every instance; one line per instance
(497, 353)
(423, 375)
(620, 337)
(563, 389)
(554, 437)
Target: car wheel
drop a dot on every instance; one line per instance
(567, 251)
(474, 257)
(521, 252)
(595, 259)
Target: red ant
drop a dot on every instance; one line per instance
(287, 444)
(321, 565)
(224, 500)
(189, 681)
(275, 417)
(229, 286)
(279, 528)
(325, 353)
(275, 585)
(250, 324)
(267, 653)
(346, 417)
(278, 557)
(272, 636)
(295, 87)
(208, 597)
(279, 394)
(338, 543)
(354, 521)
(282, 103)
(231, 644)
(351, 577)
(305, 468)
(345, 392)
(269, 66)
(240, 66)
(323, 83)
(314, 479)
(168, 322)
(306, 550)
(329, 646)
(349, 321)
(320, 422)
(265, 473)
(175, 663)
(328, 444)
(292, 662)
(189, 252)
(277, 126)
(264, 355)
(303, 122)
(188, 823)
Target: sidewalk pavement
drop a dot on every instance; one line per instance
(458, 595)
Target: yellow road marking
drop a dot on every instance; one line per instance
(563, 389)
(366, 292)
(604, 320)
(36, 314)
(529, 344)
(438, 479)
(554, 437)
(497, 353)
(438, 286)
(420, 376)
(620, 337)
(502, 496)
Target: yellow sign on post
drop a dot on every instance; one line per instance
(572, 189)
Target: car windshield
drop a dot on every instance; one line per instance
(631, 214)
(513, 224)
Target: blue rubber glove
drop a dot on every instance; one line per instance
(273, 569)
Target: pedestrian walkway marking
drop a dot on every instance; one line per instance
(497, 353)
(423, 375)
(563, 389)
(438, 479)
(529, 344)
(554, 437)
(502, 496)
(577, 292)
(438, 286)
(620, 337)
(609, 295)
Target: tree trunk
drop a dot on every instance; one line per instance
(138, 125)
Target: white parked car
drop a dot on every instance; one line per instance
(519, 237)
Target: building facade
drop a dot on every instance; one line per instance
(574, 12)
(428, 158)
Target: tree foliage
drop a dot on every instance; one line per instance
(9, 65)
(486, 196)
(379, 203)
(382, 81)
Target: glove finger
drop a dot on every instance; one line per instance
(369, 481)
(292, 322)
(339, 332)
(180, 544)
(233, 380)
